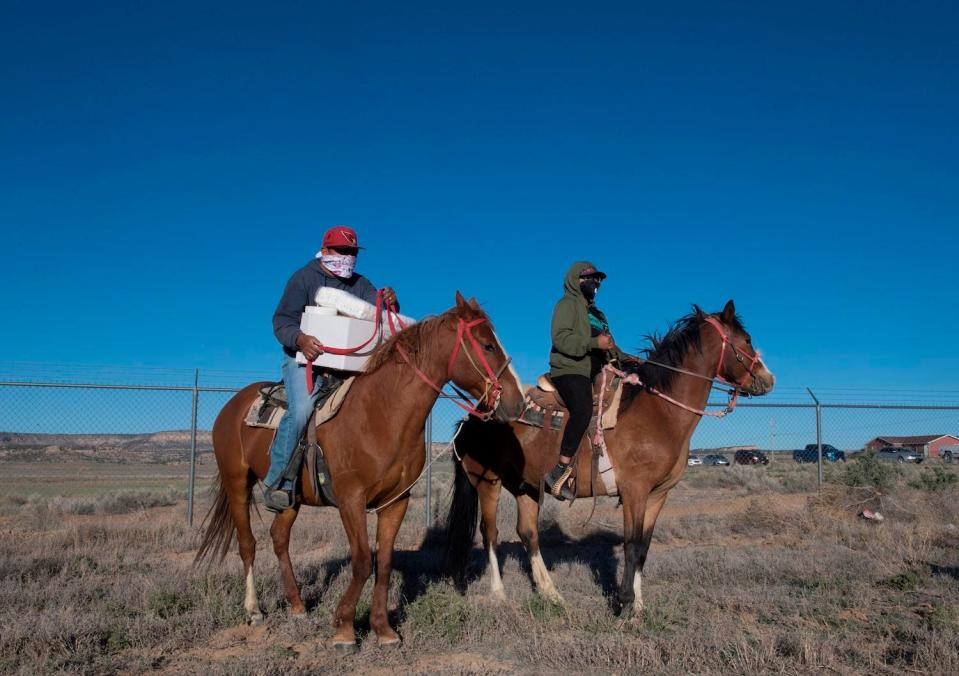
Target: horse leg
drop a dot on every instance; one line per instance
(653, 506)
(633, 516)
(489, 492)
(388, 524)
(239, 500)
(527, 527)
(353, 516)
(280, 532)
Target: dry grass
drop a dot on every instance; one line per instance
(746, 576)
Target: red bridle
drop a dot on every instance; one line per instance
(491, 378)
(463, 328)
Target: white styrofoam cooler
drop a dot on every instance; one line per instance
(339, 331)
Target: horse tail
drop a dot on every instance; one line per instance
(218, 527)
(461, 526)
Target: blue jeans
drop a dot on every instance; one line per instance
(299, 407)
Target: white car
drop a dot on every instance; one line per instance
(694, 460)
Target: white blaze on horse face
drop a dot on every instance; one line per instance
(766, 376)
(512, 371)
(496, 582)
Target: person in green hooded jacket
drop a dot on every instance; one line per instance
(582, 345)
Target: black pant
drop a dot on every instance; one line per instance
(577, 394)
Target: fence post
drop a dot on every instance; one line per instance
(429, 468)
(818, 435)
(196, 393)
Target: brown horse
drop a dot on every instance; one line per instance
(648, 447)
(374, 450)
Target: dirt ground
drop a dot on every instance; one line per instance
(747, 574)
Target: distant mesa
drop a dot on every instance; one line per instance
(154, 447)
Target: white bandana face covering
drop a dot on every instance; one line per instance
(339, 265)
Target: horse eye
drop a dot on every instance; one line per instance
(489, 347)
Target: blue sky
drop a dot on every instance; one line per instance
(164, 169)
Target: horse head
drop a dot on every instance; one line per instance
(738, 362)
(479, 364)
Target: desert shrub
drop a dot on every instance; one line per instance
(440, 612)
(750, 478)
(167, 603)
(541, 608)
(935, 480)
(746, 477)
(907, 581)
(760, 518)
(799, 480)
(123, 502)
(866, 471)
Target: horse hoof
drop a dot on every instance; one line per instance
(343, 648)
(255, 620)
(389, 643)
(301, 616)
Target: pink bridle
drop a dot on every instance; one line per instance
(715, 323)
(737, 385)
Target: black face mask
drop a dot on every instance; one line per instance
(589, 287)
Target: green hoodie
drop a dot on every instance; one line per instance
(570, 329)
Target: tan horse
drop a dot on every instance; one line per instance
(648, 447)
(375, 451)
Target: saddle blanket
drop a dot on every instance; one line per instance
(268, 409)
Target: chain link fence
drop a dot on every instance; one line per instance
(91, 437)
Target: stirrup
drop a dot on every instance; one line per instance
(559, 489)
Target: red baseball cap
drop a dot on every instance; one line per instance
(341, 236)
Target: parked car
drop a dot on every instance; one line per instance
(811, 454)
(694, 460)
(715, 459)
(949, 453)
(750, 458)
(898, 454)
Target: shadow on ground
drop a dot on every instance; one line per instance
(425, 566)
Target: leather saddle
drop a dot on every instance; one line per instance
(543, 400)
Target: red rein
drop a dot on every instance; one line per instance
(462, 328)
(350, 350)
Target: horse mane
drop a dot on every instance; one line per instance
(671, 348)
(420, 340)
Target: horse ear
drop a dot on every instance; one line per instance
(473, 304)
(729, 312)
(460, 301)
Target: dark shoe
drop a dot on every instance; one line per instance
(557, 482)
(277, 499)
